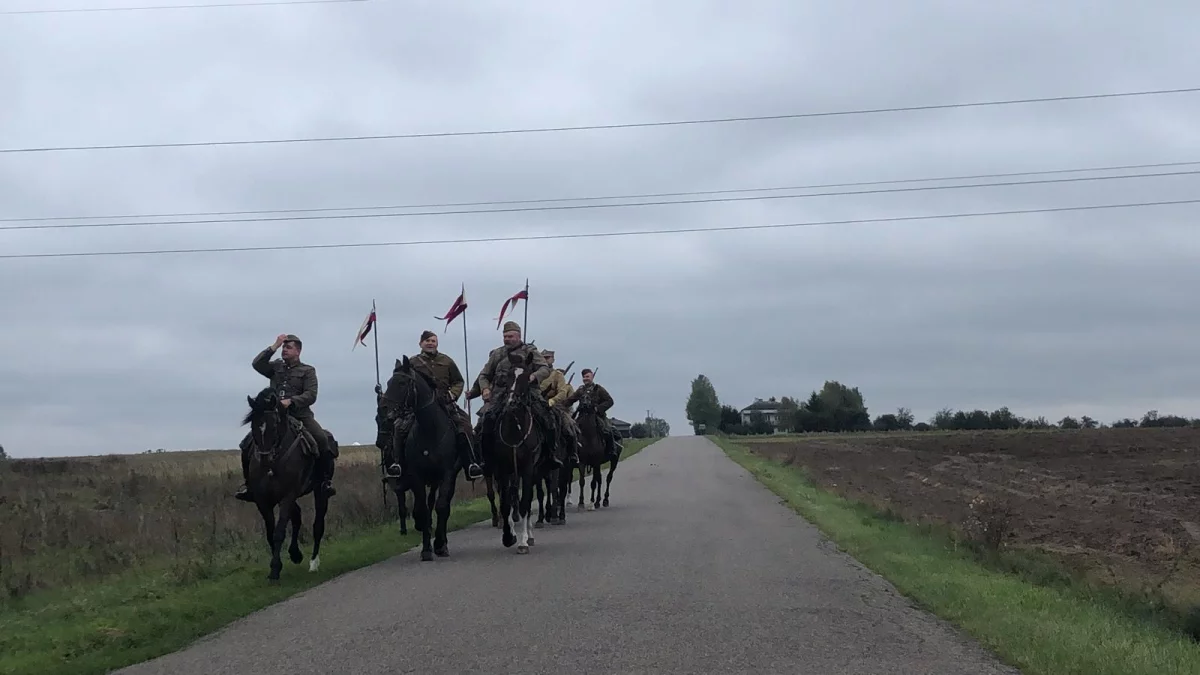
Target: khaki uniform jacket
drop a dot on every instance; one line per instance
(441, 369)
(298, 382)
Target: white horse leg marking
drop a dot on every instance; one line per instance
(314, 564)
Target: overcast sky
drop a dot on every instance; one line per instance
(1070, 313)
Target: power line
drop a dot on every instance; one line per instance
(650, 195)
(597, 235)
(159, 7)
(598, 127)
(574, 207)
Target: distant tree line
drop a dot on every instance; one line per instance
(838, 408)
(652, 427)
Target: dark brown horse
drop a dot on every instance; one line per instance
(282, 469)
(592, 456)
(515, 439)
(431, 457)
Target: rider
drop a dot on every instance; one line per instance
(449, 383)
(497, 373)
(595, 397)
(296, 383)
(556, 390)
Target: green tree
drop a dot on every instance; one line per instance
(703, 407)
(657, 427)
(638, 430)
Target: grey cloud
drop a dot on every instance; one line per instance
(1079, 313)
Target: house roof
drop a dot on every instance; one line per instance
(761, 405)
(618, 422)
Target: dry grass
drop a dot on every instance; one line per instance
(71, 520)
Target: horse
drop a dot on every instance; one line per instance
(547, 498)
(517, 452)
(592, 455)
(432, 459)
(281, 470)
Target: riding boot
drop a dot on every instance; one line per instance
(572, 443)
(326, 466)
(466, 453)
(610, 446)
(399, 437)
(243, 493)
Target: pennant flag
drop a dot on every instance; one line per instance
(511, 303)
(366, 327)
(456, 310)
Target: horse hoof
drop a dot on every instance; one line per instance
(591, 506)
(443, 552)
(272, 579)
(426, 556)
(539, 524)
(508, 540)
(605, 502)
(560, 521)
(314, 564)
(522, 549)
(531, 541)
(495, 522)
(296, 556)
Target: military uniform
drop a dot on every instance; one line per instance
(449, 384)
(596, 398)
(297, 382)
(556, 390)
(497, 374)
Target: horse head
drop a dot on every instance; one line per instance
(267, 419)
(520, 387)
(409, 388)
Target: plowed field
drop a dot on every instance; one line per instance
(1116, 503)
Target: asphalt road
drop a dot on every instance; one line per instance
(695, 568)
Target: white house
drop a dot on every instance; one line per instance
(769, 409)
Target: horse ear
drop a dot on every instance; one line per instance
(250, 401)
(404, 362)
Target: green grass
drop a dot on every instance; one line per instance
(1057, 629)
(95, 628)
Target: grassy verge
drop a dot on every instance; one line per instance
(156, 609)
(1043, 630)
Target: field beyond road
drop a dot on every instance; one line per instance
(1118, 506)
(1037, 609)
(109, 560)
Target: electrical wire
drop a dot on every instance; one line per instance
(598, 127)
(596, 235)
(575, 207)
(160, 7)
(650, 195)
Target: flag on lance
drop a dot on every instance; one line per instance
(511, 303)
(365, 329)
(456, 309)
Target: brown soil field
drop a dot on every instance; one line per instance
(1120, 506)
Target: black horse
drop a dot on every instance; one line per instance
(282, 469)
(515, 440)
(557, 481)
(431, 456)
(592, 456)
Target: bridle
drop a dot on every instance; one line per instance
(276, 421)
(510, 400)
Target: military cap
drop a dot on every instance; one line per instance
(425, 335)
(292, 338)
(547, 352)
(511, 325)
